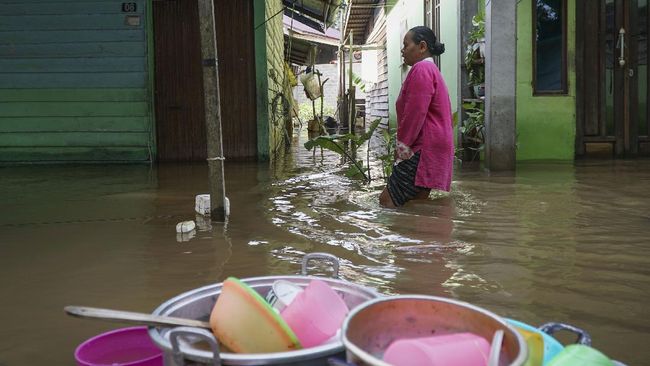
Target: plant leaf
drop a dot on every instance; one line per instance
(353, 171)
(326, 142)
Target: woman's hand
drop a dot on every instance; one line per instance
(402, 152)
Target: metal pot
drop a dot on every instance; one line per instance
(371, 328)
(199, 346)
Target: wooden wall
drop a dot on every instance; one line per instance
(236, 48)
(180, 112)
(180, 118)
(74, 82)
(377, 97)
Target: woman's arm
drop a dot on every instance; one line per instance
(416, 97)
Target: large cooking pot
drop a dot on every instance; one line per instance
(372, 327)
(193, 346)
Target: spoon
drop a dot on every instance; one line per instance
(133, 317)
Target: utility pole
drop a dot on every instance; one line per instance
(218, 211)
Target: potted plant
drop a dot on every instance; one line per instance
(472, 131)
(475, 56)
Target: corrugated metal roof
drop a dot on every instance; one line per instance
(360, 13)
(301, 47)
(322, 10)
(305, 37)
(295, 27)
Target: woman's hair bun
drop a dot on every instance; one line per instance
(437, 49)
(422, 33)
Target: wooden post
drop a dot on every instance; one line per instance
(342, 103)
(212, 111)
(352, 100)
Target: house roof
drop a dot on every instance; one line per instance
(298, 29)
(298, 24)
(321, 10)
(304, 37)
(359, 14)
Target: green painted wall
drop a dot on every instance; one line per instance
(75, 82)
(408, 14)
(403, 15)
(269, 70)
(545, 124)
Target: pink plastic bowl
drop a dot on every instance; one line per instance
(316, 314)
(121, 347)
(459, 349)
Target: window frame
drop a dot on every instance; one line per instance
(564, 90)
(432, 20)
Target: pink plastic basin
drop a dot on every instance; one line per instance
(458, 349)
(121, 347)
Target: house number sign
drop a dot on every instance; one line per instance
(129, 7)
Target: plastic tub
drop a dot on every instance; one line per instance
(121, 347)
(551, 345)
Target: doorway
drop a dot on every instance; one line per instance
(180, 119)
(180, 113)
(612, 78)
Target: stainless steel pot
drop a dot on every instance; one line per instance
(372, 327)
(188, 346)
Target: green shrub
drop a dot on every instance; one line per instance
(306, 113)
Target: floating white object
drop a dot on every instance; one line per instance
(202, 204)
(185, 226)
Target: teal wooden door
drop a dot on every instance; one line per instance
(74, 81)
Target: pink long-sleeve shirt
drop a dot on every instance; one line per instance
(424, 124)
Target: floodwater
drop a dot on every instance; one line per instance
(562, 242)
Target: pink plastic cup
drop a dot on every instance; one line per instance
(121, 347)
(459, 349)
(316, 314)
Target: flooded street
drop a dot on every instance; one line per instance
(562, 242)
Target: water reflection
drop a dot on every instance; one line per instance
(559, 242)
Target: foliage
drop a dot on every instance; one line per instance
(474, 124)
(478, 24)
(389, 137)
(337, 143)
(360, 83)
(291, 77)
(473, 128)
(473, 59)
(306, 112)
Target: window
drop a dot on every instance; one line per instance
(432, 20)
(549, 47)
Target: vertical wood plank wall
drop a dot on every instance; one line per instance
(74, 83)
(180, 118)
(377, 97)
(180, 112)
(236, 47)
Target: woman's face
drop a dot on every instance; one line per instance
(413, 52)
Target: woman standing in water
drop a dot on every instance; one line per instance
(425, 150)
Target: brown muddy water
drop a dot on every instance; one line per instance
(553, 242)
